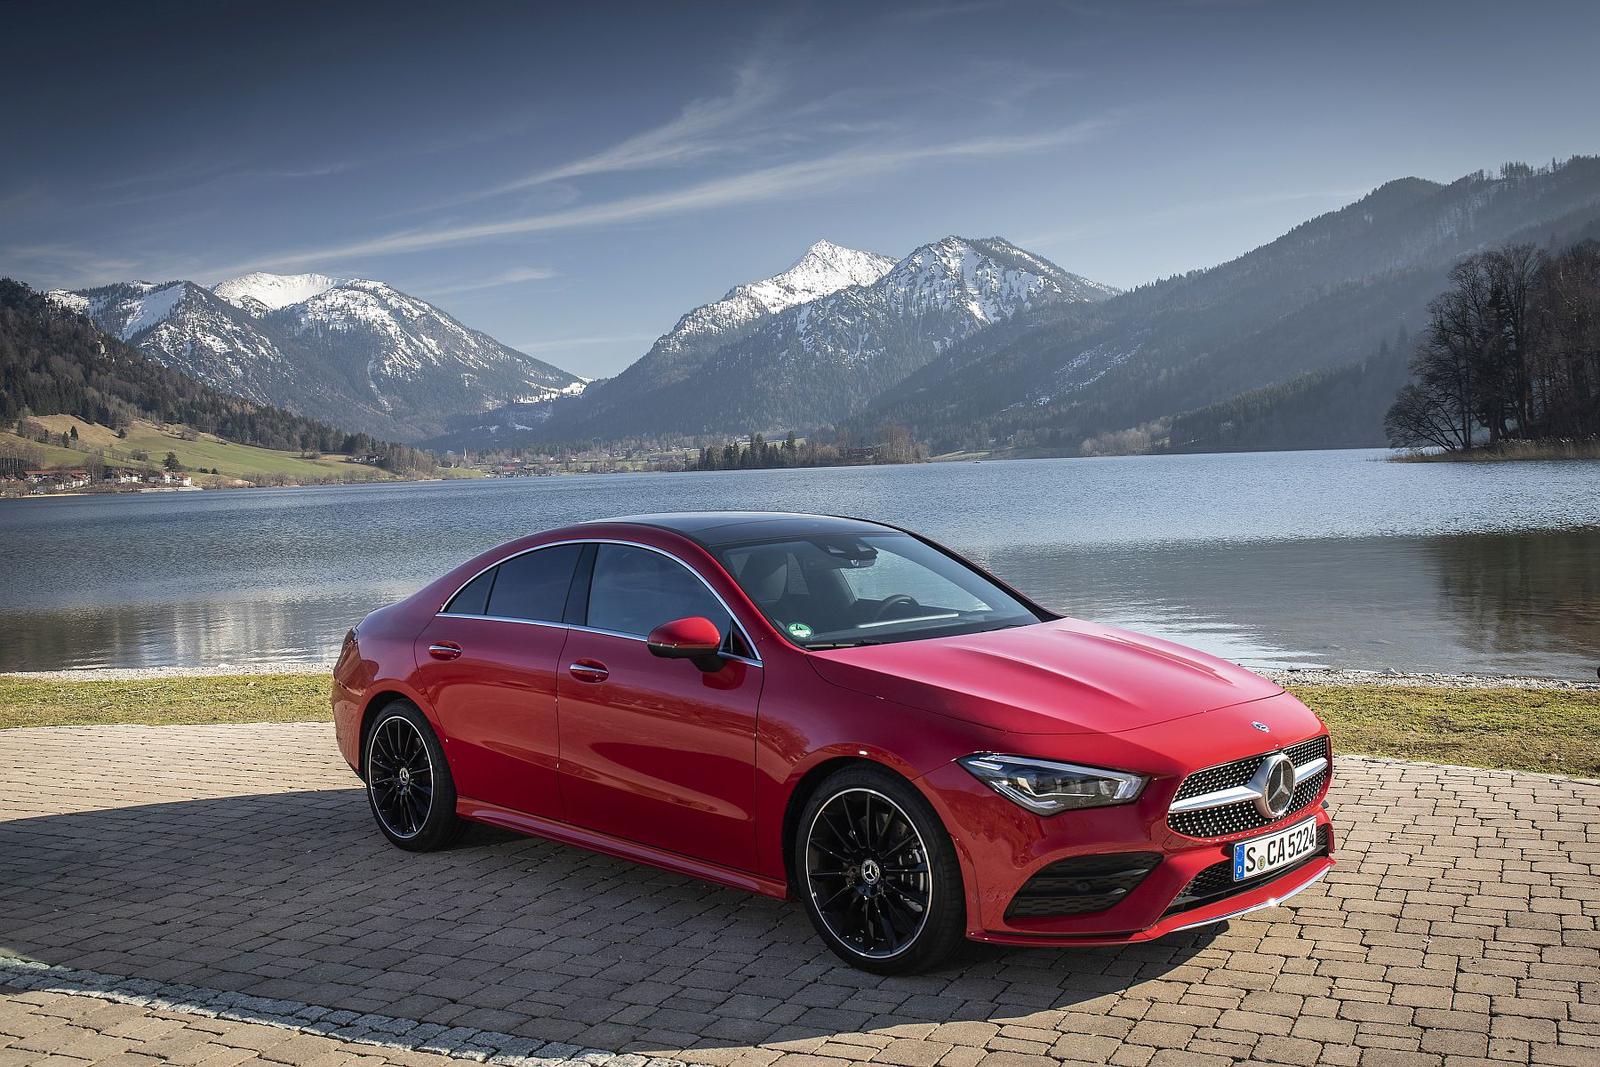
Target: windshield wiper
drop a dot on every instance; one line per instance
(824, 646)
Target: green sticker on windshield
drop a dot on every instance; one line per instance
(799, 630)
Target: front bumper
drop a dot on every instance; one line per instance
(1270, 892)
(1003, 847)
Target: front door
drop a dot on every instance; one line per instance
(655, 750)
(488, 665)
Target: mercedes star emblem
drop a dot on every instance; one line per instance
(1274, 784)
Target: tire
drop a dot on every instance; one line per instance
(409, 787)
(877, 874)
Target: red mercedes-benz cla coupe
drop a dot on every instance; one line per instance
(840, 711)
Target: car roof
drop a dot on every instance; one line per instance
(714, 529)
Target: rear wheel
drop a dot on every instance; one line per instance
(409, 788)
(878, 874)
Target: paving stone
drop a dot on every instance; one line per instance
(209, 881)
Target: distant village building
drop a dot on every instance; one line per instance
(62, 480)
(55, 481)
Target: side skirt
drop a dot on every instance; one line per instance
(567, 834)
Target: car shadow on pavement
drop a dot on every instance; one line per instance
(295, 896)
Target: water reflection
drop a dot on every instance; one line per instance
(1536, 594)
(1286, 559)
(1479, 603)
(210, 632)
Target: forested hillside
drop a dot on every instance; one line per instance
(1321, 297)
(1339, 408)
(54, 361)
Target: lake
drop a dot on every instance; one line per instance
(1273, 559)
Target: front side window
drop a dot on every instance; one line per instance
(534, 585)
(635, 590)
(835, 591)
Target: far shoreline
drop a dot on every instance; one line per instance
(1512, 452)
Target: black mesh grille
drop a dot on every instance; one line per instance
(1243, 817)
(1082, 884)
(1308, 750)
(1216, 881)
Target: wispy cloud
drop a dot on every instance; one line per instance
(703, 128)
(935, 12)
(691, 136)
(514, 276)
(754, 186)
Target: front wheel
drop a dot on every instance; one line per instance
(409, 786)
(878, 874)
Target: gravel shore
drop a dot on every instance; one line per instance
(1282, 677)
(125, 674)
(1424, 681)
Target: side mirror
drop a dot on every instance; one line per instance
(696, 638)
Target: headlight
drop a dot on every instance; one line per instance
(1046, 787)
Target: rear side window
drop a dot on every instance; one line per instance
(634, 591)
(474, 596)
(534, 585)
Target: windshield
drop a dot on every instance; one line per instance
(833, 591)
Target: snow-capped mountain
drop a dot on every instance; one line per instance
(612, 407)
(825, 268)
(815, 344)
(186, 327)
(359, 354)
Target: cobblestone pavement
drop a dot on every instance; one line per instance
(223, 878)
(39, 1029)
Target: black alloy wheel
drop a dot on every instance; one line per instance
(878, 873)
(409, 786)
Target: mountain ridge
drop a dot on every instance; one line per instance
(54, 360)
(814, 361)
(355, 352)
(1321, 296)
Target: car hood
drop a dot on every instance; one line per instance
(1064, 676)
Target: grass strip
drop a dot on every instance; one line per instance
(164, 701)
(1553, 731)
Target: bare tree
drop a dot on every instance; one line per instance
(1509, 328)
(1445, 366)
(1422, 415)
(1511, 348)
(1564, 369)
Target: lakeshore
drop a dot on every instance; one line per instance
(1579, 451)
(65, 473)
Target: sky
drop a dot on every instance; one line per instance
(571, 178)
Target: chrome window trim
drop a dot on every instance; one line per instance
(1239, 794)
(753, 660)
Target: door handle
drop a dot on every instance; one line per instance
(445, 650)
(588, 670)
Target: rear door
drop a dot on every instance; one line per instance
(488, 666)
(654, 750)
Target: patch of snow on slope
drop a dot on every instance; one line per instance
(65, 298)
(150, 308)
(272, 290)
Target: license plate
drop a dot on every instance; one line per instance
(1256, 857)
